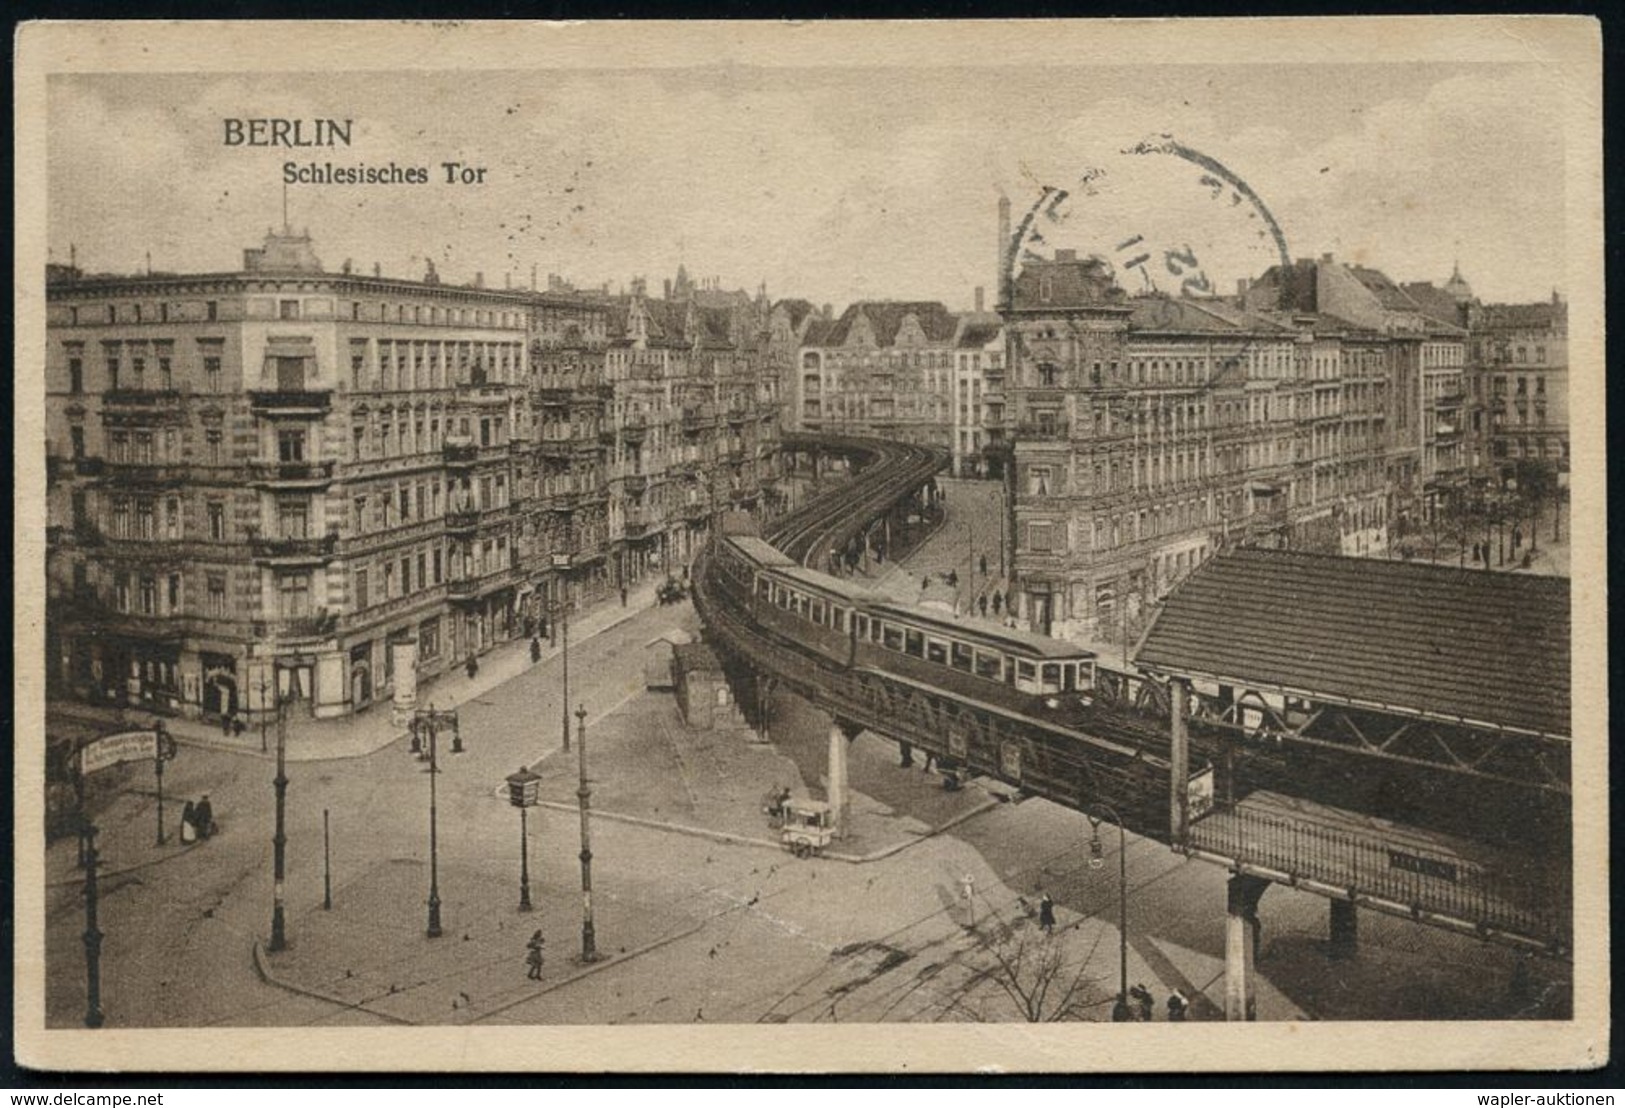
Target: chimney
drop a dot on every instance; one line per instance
(1066, 255)
(829, 311)
(532, 276)
(668, 288)
(507, 279)
(1241, 285)
(1326, 259)
(978, 298)
(1002, 274)
(479, 279)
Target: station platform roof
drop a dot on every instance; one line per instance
(1483, 648)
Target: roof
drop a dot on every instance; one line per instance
(693, 656)
(761, 551)
(1388, 294)
(795, 310)
(886, 318)
(985, 631)
(813, 581)
(1435, 302)
(1161, 312)
(1539, 316)
(1490, 648)
(977, 335)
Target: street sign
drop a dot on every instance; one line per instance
(125, 746)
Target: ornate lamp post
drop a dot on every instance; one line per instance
(426, 724)
(163, 747)
(279, 841)
(93, 934)
(589, 949)
(1097, 859)
(561, 563)
(523, 788)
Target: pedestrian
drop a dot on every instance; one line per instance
(1178, 1007)
(189, 823)
(925, 582)
(1046, 914)
(981, 605)
(225, 724)
(237, 725)
(203, 818)
(1517, 537)
(930, 760)
(473, 667)
(535, 650)
(1144, 1002)
(998, 601)
(953, 579)
(968, 888)
(533, 957)
(623, 596)
(983, 564)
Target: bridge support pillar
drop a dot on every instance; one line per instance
(1241, 928)
(1344, 930)
(839, 804)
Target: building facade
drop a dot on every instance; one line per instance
(1148, 432)
(265, 481)
(285, 485)
(1520, 352)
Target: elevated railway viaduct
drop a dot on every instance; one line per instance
(1392, 737)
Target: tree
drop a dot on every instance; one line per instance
(1031, 971)
(1537, 481)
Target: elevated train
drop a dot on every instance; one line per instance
(857, 628)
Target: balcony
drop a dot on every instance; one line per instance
(698, 417)
(290, 402)
(555, 448)
(314, 627)
(483, 393)
(470, 588)
(737, 415)
(299, 551)
(146, 473)
(1056, 430)
(291, 475)
(459, 453)
(637, 524)
(695, 511)
(143, 399)
(462, 521)
(635, 430)
(1449, 399)
(636, 484)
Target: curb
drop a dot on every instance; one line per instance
(104, 874)
(274, 981)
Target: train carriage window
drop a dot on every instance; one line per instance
(1069, 677)
(874, 630)
(962, 657)
(936, 651)
(783, 597)
(1052, 677)
(1086, 676)
(1026, 676)
(863, 626)
(914, 643)
(840, 619)
(764, 588)
(818, 612)
(989, 666)
(893, 637)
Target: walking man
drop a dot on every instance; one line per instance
(1046, 914)
(1177, 1007)
(983, 564)
(998, 601)
(533, 957)
(981, 604)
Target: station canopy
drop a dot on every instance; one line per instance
(1471, 646)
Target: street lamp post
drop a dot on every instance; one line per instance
(561, 563)
(1096, 861)
(93, 934)
(279, 841)
(162, 751)
(522, 794)
(589, 948)
(430, 721)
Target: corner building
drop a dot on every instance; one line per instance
(268, 483)
(1147, 432)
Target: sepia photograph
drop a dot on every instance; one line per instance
(644, 546)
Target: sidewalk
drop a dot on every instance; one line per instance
(370, 951)
(372, 729)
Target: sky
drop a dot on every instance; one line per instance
(826, 183)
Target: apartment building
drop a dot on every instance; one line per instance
(276, 482)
